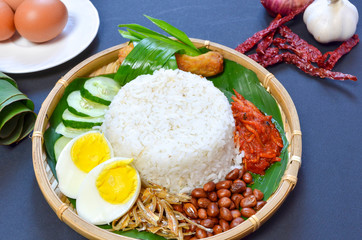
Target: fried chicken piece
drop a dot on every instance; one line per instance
(123, 52)
(207, 64)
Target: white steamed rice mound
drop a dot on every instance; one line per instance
(178, 126)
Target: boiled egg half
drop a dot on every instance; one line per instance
(108, 191)
(78, 158)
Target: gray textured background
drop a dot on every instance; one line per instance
(325, 202)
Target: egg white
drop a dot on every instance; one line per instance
(69, 175)
(92, 207)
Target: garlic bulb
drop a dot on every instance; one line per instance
(331, 20)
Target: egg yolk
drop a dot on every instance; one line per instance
(117, 182)
(89, 151)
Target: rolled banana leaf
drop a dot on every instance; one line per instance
(17, 115)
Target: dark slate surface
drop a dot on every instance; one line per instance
(325, 202)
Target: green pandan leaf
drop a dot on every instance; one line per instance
(137, 32)
(177, 33)
(148, 55)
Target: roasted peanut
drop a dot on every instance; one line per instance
(247, 177)
(248, 192)
(193, 227)
(233, 174)
(215, 220)
(248, 202)
(198, 193)
(212, 210)
(223, 193)
(236, 221)
(225, 214)
(259, 205)
(241, 173)
(224, 202)
(235, 213)
(236, 198)
(208, 223)
(247, 212)
(224, 225)
(223, 184)
(258, 194)
(212, 196)
(203, 202)
(201, 233)
(238, 186)
(178, 207)
(190, 210)
(209, 187)
(202, 213)
(194, 202)
(217, 229)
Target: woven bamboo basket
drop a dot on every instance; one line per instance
(105, 62)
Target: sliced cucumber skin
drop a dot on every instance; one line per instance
(80, 125)
(69, 132)
(89, 108)
(71, 120)
(86, 94)
(59, 145)
(93, 89)
(74, 111)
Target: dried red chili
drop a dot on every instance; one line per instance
(266, 41)
(277, 22)
(307, 67)
(270, 57)
(256, 135)
(282, 44)
(301, 47)
(335, 55)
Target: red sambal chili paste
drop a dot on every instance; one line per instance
(256, 135)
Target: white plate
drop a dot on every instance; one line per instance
(18, 55)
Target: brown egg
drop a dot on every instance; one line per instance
(40, 20)
(14, 3)
(7, 28)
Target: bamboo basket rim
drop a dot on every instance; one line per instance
(48, 184)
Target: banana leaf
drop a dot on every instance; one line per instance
(9, 79)
(17, 115)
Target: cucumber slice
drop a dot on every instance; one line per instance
(69, 132)
(100, 89)
(59, 145)
(71, 120)
(84, 107)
